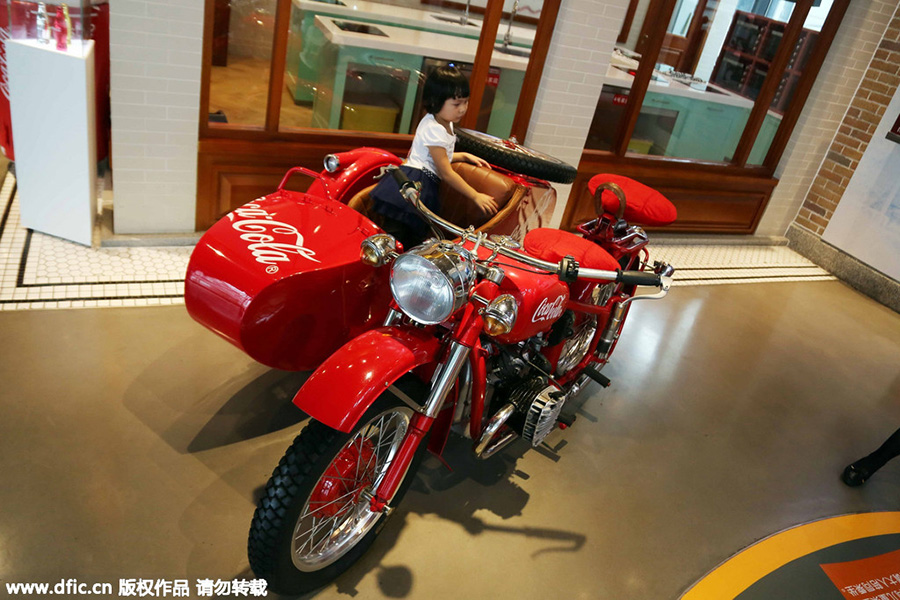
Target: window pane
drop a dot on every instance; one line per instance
(360, 65)
(626, 59)
(809, 37)
(713, 62)
(706, 82)
(242, 50)
(515, 38)
(682, 16)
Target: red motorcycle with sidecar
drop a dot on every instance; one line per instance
(488, 329)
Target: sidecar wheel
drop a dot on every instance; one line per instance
(514, 157)
(313, 521)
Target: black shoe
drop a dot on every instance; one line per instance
(859, 472)
(855, 475)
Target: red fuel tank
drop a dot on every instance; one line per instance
(542, 299)
(281, 279)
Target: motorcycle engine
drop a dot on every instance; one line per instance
(537, 408)
(542, 415)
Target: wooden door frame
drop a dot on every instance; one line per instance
(693, 39)
(628, 22)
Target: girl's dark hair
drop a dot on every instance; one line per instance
(442, 84)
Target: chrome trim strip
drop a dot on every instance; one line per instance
(465, 392)
(392, 317)
(406, 399)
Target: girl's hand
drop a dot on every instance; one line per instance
(486, 203)
(472, 159)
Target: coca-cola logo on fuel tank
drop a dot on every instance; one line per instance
(269, 241)
(549, 311)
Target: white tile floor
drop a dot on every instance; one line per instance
(41, 271)
(710, 265)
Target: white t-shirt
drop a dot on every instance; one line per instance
(429, 133)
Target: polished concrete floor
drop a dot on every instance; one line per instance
(133, 442)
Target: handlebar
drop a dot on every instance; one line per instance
(295, 170)
(639, 278)
(566, 269)
(409, 189)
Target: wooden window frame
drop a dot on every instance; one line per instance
(663, 10)
(237, 163)
(271, 131)
(711, 197)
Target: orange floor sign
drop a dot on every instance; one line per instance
(855, 579)
(875, 578)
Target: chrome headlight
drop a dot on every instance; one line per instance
(332, 163)
(500, 315)
(376, 250)
(432, 281)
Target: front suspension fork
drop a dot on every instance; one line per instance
(441, 385)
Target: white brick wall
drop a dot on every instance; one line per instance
(580, 51)
(860, 32)
(155, 57)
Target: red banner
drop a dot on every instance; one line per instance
(894, 133)
(5, 117)
(875, 578)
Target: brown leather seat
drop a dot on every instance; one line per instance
(363, 204)
(455, 207)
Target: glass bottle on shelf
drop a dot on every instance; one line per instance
(68, 24)
(43, 27)
(60, 31)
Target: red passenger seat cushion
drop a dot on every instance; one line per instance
(643, 204)
(552, 245)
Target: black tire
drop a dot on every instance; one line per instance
(514, 157)
(284, 507)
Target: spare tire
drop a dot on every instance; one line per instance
(514, 157)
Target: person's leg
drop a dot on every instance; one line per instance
(858, 472)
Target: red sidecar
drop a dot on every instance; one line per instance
(281, 279)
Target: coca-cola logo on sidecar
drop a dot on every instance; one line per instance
(548, 311)
(269, 241)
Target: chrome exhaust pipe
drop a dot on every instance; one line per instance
(484, 448)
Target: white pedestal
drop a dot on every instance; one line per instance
(53, 121)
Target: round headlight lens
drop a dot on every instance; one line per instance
(432, 281)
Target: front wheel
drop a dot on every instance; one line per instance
(313, 521)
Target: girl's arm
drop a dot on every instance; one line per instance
(470, 158)
(439, 155)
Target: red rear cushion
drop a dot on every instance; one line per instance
(552, 245)
(643, 204)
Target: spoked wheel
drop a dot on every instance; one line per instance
(514, 157)
(584, 330)
(313, 521)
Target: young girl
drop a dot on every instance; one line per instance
(446, 98)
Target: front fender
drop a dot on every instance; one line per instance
(347, 384)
